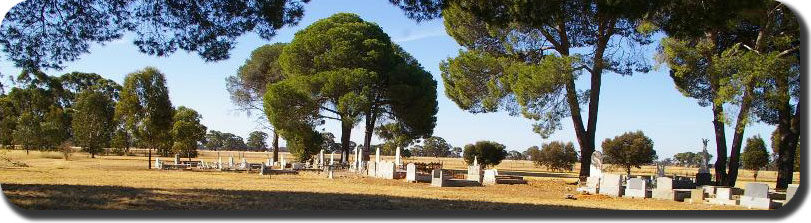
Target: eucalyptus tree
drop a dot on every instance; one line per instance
(187, 132)
(256, 141)
(93, 121)
(249, 84)
(146, 111)
(525, 56)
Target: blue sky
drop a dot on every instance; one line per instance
(647, 102)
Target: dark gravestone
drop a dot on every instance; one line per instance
(703, 179)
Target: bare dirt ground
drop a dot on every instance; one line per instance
(124, 182)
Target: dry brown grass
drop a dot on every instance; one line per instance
(123, 182)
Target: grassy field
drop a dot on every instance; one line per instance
(124, 182)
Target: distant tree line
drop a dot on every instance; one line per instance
(45, 112)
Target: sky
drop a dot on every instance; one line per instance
(644, 101)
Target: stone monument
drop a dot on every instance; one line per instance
(596, 167)
(703, 177)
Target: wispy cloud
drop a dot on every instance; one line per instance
(418, 35)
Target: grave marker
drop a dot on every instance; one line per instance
(756, 195)
(637, 188)
(611, 185)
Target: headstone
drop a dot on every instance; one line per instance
(703, 179)
(790, 191)
(474, 173)
(611, 185)
(269, 162)
(262, 170)
(297, 166)
(177, 159)
(438, 179)
(592, 185)
(244, 163)
(371, 168)
(377, 154)
(756, 195)
(386, 170)
(282, 164)
(321, 158)
(697, 196)
(158, 163)
(231, 162)
(219, 163)
(359, 158)
(596, 167)
(330, 174)
(411, 173)
(637, 188)
(475, 160)
(397, 157)
(490, 177)
(332, 158)
(667, 189)
(723, 196)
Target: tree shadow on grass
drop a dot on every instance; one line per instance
(81, 197)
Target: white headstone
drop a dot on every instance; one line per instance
(611, 185)
(411, 172)
(636, 188)
(321, 158)
(158, 163)
(475, 160)
(756, 195)
(596, 167)
(231, 161)
(490, 177)
(177, 159)
(397, 157)
(377, 155)
(660, 170)
(332, 158)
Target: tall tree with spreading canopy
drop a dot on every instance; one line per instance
(145, 109)
(436, 146)
(63, 30)
(525, 56)
(93, 121)
(343, 68)
(250, 83)
(729, 53)
(187, 132)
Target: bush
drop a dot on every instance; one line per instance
(488, 153)
(556, 156)
(631, 149)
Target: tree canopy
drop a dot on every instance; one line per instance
(257, 141)
(556, 156)
(520, 56)
(146, 111)
(187, 132)
(66, 29)
(632, 149)
(486, 153)
(93, 121)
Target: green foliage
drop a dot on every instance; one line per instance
(215, 140)
(146, 111)
(690, 159)
(632, 149)
(93, 121)
(487, 153)
(187, 132)
(436, 146)
(65, 29)
(328, 143)
(303, 144)
(532, 153)
(515, 155)
(556, 156)
(776, 148)
(28, 131)
(249, 85)
(233, 142)
(8, 121)
(754, 155)
(55, 127)
(257, 141)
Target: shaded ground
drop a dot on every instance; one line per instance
(81, 197)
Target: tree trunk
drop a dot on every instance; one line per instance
(371, 119)
(149, 161)
(737, 140)
(789, 130)
(720, 146)
(275, 146)
(346, 130)
(628, 171)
